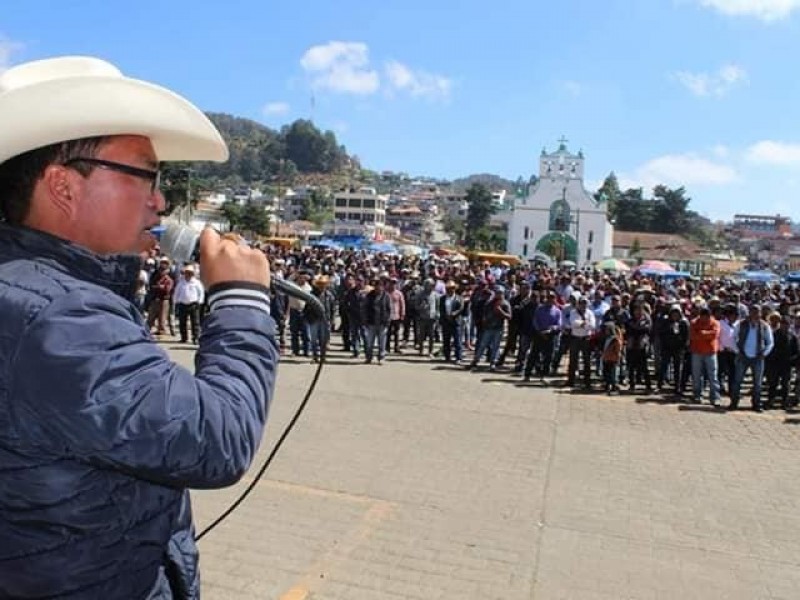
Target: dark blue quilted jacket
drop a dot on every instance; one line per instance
(101, 434)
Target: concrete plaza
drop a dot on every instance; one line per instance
(419, 480)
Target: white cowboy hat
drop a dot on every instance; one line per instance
(59, 99)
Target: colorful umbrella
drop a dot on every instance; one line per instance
(611, 264)
(655, 265)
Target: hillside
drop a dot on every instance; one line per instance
(257, 151)
(299, 153)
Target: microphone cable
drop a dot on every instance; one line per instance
(278, 444)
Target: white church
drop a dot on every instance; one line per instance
(558, 217)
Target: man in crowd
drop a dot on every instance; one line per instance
(298, 325)
(673, 333)
(377, 315)
(427, 310)
(582, 326)
(704, 345)
(189, 296)
(495, 314)
(161, 284)
(397, 314)
(546, 325)
(754, 341)
(451, 308)
(779, 362)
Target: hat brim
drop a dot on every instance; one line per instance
(59, 110)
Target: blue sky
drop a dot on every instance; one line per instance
(699, 93)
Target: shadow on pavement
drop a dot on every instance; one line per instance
(669, 399)
(717, 410)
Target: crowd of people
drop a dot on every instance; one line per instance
(595, 330)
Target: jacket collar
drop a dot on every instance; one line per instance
(116, 272)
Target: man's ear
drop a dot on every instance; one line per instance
(61, 186)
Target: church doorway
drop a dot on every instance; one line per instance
(559, 246)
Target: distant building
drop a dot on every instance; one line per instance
(411, 221)
(499, 197)
(558, 216)
(682, 254)
(295, 201)
(359, 212)
(761, 225)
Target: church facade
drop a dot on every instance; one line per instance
(557, 217)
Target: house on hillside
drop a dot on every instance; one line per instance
(558, 216)
(683, 254)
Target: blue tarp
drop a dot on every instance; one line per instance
(328, 243)
(758, 276)
(384, 247)
(793, 277)
(670, 275)
(655, 272)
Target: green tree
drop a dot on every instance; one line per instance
(455, 227)
(312, 150)
(610, 193)
(480, 209)
(255, 219)
(232, 211)
(256, 151)
(634, 213)
(317, 208)
(670, 211)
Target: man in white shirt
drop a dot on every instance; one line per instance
(754, 341)
(581, 323)
(726, 359)
(189, 295)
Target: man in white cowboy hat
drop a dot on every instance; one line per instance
(101, 434)
(189, 294)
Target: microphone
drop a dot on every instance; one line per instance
(182, 244)
(316, 310)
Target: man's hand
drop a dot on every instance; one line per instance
(223, 259)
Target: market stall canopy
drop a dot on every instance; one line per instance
(611, 264)
(655, 265)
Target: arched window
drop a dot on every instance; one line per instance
(527, 232)
(524, 249)
(591, 237)
(559, 216)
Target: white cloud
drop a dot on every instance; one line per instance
(774, 153)
(341, 67)
(712, 84)
(679, 170)
(721, 151)
(274, 109)
(7, 48)
(418, 83)
(766, 10)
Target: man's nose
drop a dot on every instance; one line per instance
(158, 201)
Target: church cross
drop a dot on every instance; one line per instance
(562, 140)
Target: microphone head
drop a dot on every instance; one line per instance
(180, 242)
(315, 311)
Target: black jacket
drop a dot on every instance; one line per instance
(674, 335)
(377, 308)
(785, 352)
(457, 309)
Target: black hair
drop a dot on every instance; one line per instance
(19, 175)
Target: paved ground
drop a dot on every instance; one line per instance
(420, 481)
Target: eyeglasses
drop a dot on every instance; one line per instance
(154, 177)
